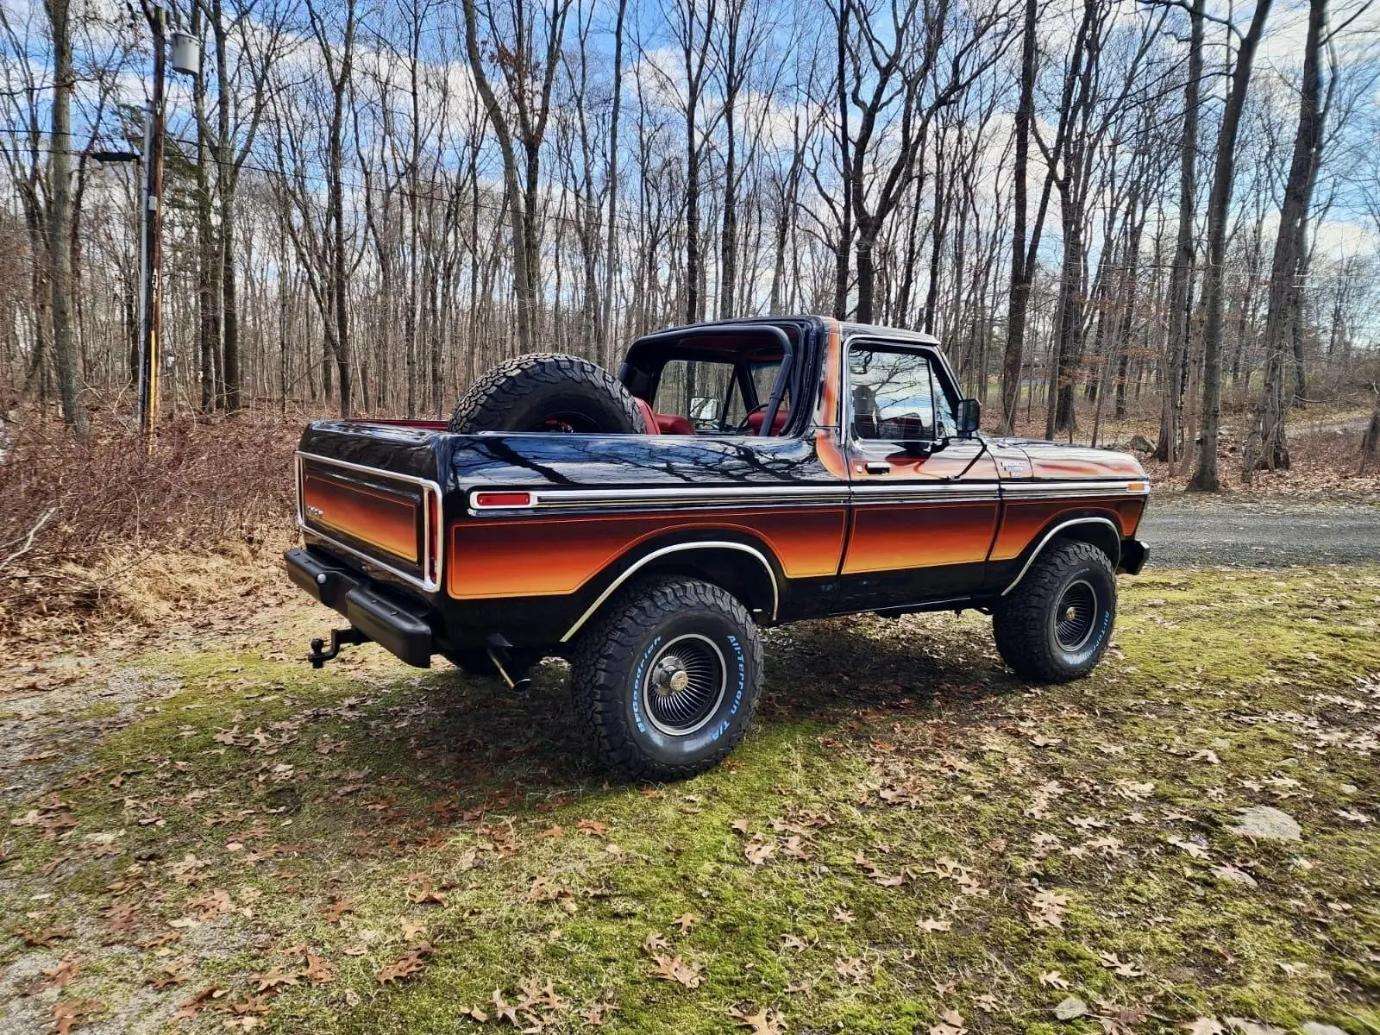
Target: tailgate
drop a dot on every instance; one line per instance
(390, 520)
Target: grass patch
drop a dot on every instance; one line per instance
(908, 835)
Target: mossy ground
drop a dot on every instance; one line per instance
(909, 838)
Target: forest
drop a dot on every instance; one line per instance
(1164, 209)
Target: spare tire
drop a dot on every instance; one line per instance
(548, 391)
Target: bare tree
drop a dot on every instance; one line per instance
(1205, 478)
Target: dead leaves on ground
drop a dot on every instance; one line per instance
(762, 1021)
(68, 1013)
(408, 965)
(534, 1007)
(671, 966)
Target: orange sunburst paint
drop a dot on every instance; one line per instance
(372, 516)
(547, 556)
(920, 535)
(1024, 520)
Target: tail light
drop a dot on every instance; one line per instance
(496, 500)
(433, 545)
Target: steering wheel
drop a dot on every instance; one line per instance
(745, 424)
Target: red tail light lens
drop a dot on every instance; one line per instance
(483, 500)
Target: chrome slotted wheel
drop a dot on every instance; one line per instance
(684, 684)
(1075, 617)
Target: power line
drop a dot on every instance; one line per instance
(397, 190)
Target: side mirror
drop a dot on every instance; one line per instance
(967, 416)
(704, 408)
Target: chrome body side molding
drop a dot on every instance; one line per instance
(567, 500)
(677, 548)
(1051, 534)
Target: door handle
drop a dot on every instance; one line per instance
(877, 467)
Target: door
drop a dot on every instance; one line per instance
(924, 504)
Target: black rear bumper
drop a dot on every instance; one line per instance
(401, 628)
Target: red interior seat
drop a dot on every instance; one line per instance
(778, 423)
(674, 424)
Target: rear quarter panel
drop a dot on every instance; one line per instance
(564, 550)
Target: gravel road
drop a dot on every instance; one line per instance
(1259, 536)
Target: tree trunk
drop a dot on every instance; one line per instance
(1205, 478)
(60, 217)
(1018, 298)
(1267, 447)
(1180, 277)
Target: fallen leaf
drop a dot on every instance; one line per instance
(406, 966)
(686, 921)
(764, 1021)
(759, 852)
(61, 973)
(317, 970)
(675, 969)
(336, 908)
(67, 1012)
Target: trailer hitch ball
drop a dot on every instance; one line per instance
(339, 638)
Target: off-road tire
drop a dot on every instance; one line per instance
(1027, 622)
(612, 665)
(547, 391)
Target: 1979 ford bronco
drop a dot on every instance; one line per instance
(735, 475)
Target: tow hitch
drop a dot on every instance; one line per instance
(339, 638)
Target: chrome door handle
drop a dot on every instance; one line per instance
(877, 467)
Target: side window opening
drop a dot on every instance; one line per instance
(720, 396)
(896, 395)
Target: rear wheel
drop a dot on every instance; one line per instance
(1056, 624)
(667, 680)
(548, 391)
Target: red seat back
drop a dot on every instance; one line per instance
(674, 424)
(778, 423)
(648, 416)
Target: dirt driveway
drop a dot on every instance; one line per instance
(1184, 532)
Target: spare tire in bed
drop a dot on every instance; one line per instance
(548, 391)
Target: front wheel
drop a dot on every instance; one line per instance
(1056, 624)
(667, 680)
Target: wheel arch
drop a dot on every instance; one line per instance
(746, 569)
(1097, 530)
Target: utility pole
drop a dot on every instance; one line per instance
(151, 211)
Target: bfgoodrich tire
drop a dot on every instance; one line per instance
(667, 680)
(1056, 624)
(547, 391)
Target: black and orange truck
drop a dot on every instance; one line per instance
(734, 475)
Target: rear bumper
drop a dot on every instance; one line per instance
(1134, 554)
(399, 628)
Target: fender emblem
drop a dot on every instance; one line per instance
(315, 512)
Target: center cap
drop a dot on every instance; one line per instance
(670, 676)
